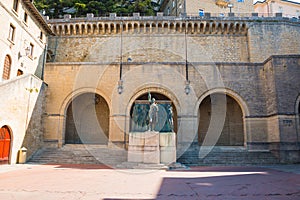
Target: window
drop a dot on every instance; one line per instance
(173, 3)
(6, 68)
(240, 1)
(15, 5)
(25, 17)
(280, 9)
(11, 35)
(31, 46)
(41, 36)
(168, 11)
(20, 72)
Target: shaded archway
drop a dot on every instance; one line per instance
(166, 109)
(87, 120)
(5, 143)
(233, 129)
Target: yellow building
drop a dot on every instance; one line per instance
(269, 8)
(215, 7)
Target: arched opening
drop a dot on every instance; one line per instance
(139, 114)
(87, 120)
(233, 129)
(6, 68)
(5, 143)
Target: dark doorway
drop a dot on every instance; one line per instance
(233, 131)
(87, 120)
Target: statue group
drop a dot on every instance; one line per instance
(152, 116)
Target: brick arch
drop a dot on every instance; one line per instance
(7, 67)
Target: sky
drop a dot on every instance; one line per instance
(290, 0)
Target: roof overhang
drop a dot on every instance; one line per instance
(38, 17)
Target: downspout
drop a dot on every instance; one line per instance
(44, 61)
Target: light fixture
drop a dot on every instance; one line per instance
(187, 88)
(120, 83)
(26, 51)
(230, 6)
(120, 86)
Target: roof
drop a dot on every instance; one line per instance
(39, 18)
(288, 1)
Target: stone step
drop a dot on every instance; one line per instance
(227, 156)
(80, 154)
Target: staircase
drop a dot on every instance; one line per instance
(226, 156)
(80, 154)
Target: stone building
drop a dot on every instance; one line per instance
(232, 82)
(269, 8)
(215, 7)
(23, 37)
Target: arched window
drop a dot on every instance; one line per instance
(6, 68)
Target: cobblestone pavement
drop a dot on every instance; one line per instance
(95, 182)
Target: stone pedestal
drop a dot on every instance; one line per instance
(167, 142)
(152, 147)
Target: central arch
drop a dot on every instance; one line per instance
(164, 109)
(87, 120)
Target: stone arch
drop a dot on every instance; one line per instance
(201, 27)
(112, 28)
(190, 28)
(177, 27)
(87, 120)
(155, 89)
(67, 102)
(196, 28)
(207, 28)
(72, 29)
(141, 103)
(234, 129)
(77, 29)
(243, 28)
(6, 138)
(237, 28)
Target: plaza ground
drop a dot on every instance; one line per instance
(97, 182)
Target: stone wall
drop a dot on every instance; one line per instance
(22, 111)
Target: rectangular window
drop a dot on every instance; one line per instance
(25, 17)
(41, 36)
(16, 5)
(31, 47)
(11, 35)
(240, 1)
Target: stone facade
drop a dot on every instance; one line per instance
(184, 61)
(215, 8)
(23, 38)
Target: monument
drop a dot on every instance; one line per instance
(152, 138)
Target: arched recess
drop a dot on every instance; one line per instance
(87, 120)
(5, 144)
(139, 115)
(6, 68)
(234, 129)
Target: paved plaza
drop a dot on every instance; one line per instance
(95, 182)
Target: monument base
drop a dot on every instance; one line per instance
(152, 147)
